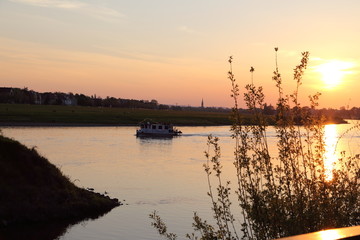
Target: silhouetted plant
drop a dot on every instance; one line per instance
(161, 226)
(281, 194)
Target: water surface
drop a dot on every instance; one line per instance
(146, 174)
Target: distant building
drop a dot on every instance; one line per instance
(35, 97)
(202, 103)
(68, 99)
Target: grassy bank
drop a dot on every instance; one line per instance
(33, 190)
(54, 114)
(25, 114)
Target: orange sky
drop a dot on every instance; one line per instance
(176, 51)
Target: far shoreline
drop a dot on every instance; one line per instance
(22, 115)
(26, 124)
(39, 124)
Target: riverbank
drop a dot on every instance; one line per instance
(74, 116)
(58, 115)
(32, 190)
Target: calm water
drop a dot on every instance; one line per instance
(148, 174)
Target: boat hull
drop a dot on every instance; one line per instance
(149, 134)
(153, 129)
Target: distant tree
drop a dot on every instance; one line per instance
(176, 108)
(269, 109)
(83, 100)
(20, 96)
(154, 104)
(164, 107)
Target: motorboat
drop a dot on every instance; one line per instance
(155, 129)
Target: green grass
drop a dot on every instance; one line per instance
(26, 114)
(53, 114)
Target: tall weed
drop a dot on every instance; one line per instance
(285, 194)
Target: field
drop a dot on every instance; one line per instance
(24, 114)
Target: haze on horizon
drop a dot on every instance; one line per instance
(176, 51)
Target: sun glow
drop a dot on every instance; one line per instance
(333, 72)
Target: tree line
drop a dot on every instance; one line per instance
(26, 96)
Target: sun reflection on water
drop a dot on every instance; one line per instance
(330, 157)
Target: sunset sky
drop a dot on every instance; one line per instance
(176, 51)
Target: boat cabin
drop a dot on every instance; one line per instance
(148, 128)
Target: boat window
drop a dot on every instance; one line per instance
(166, 127)
(153, 126)
(160, 127)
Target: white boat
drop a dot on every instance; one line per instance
(154, 129)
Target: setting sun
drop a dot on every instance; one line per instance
(333, 72)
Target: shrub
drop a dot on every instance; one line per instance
(287, 194)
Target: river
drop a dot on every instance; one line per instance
(165, 175)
